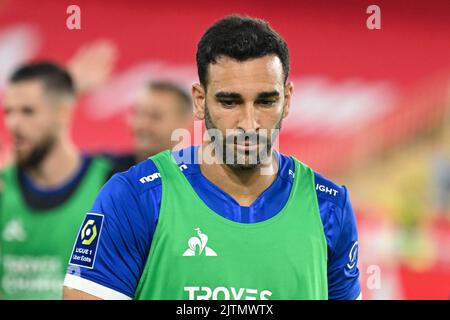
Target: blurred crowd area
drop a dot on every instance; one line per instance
(371, 110)
(401, 197)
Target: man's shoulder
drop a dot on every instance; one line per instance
(6, 174)
(138, 178)
(330, 191)
(326, 189)
(145, 175)
(11, 167)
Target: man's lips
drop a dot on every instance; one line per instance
(247, 147)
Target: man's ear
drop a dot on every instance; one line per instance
(199, 99)
(65, 111)
(288, 92)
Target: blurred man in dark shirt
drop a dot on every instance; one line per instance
(161, 108)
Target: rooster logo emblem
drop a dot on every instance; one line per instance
(197, 246)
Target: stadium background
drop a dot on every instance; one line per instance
(371, 108)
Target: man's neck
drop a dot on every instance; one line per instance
(243, 185)
(61, 163)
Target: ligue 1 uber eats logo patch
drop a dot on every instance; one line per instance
(89, 232)
(85, 248)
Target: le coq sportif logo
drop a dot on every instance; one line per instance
(197, 246)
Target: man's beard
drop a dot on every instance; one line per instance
(37, 155)
(226, 150)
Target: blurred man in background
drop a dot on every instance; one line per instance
(44, 193)
(160, 108)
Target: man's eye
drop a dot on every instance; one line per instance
(227, 103)
(266, 103)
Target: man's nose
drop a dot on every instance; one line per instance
(248, 120)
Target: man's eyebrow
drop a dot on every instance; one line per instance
(229, 95)
(268, 94)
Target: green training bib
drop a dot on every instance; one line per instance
(198, 254)
(35, 246)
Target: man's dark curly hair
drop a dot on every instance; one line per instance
(240, 38)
